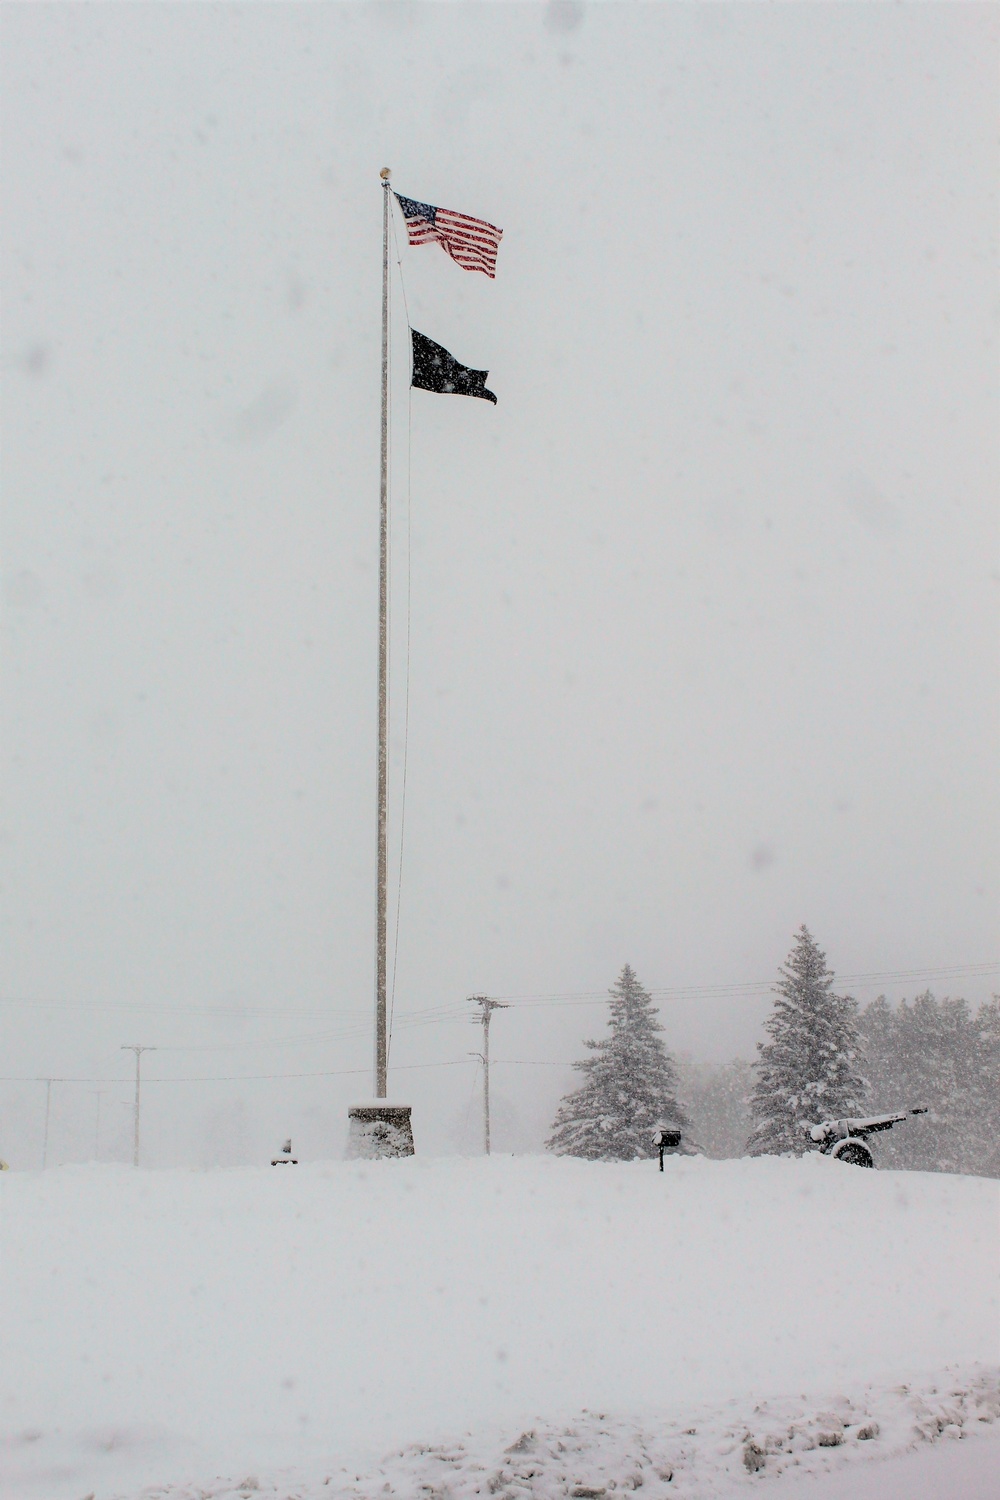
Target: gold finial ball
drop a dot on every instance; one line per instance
(385, 174)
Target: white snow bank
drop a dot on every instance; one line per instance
(164, 1325)
(950, 1471)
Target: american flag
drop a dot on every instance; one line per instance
(471, 242)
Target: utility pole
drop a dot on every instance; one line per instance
(486, 1009)
(133, 1047)
(48, 1082)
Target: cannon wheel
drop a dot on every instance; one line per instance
(855, 1153)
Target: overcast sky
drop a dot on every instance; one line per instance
(702, 613)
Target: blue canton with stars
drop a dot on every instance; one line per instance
(414, 210)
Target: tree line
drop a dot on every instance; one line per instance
(825, 1057)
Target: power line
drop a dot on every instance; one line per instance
(418, 1018)
(227, 1012)
(865, 979)
(458, 1062)
(750, 988)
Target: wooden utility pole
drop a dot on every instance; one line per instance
(486, 1009)
(133, 1047)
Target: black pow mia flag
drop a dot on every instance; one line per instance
(434, 369)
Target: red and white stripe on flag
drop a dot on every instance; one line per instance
(471, 242)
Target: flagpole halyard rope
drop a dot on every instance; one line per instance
(402, 283)
(388, 554)
(406, 667)
(473, 244)
(380, 1079)
(406, 711)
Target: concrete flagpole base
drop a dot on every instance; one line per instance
(379, 1129)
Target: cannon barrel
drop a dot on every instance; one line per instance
(861, 1125)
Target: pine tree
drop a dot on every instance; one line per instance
(986, 1056)
(717, 1096)
(903, 1060)
(629, 1089)
(808, 1070)
(936, 1053)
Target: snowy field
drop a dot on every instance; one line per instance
(513, 1327)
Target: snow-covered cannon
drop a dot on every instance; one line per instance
(847, 1140)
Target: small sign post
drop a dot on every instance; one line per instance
(667, 1138)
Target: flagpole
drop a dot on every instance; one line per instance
(376, 1128)
(382, 871)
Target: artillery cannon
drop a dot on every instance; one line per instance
(847, 1140)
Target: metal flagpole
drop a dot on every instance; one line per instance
(377, 1128)
(382, 872)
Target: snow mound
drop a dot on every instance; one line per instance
(505, 1327)
(699, 1453)
(599, 1454)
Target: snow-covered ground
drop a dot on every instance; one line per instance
(510, 1327)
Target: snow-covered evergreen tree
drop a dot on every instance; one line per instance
(630, 1085)
(936, 1053)
(808, 1071)
(986, 1134)
(717, 1096)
